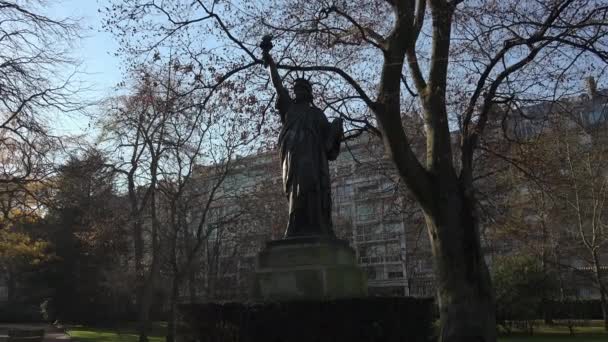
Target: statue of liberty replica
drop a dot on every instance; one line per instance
(309, 262)
(307, 142)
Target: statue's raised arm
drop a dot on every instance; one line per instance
(283, 98)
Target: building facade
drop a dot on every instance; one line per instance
(369, 209)
(373, 210)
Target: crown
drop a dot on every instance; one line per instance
(301, 80)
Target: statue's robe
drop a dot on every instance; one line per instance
(307, 141)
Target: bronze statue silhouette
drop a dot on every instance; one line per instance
(307, 142)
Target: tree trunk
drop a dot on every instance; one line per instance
(544, 256)
(192, 286)
(143, 319)
(604, 302)
(149, 284)
(464, 290)
(145, 304)
(147, 296)
(600, 283)
(140, 280)
(172, 323)
(11, 286)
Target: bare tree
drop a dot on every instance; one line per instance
(556, 202)
(187, 229)
(136, 129)
(461, 58)
(190, 192)
(580, 192)
(35, 84)
(162, 136)
(585, 193)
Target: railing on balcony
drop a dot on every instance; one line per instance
(384, 236)
(379, 259)
(371, 217)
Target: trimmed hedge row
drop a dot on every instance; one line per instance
(571, 309)
(28, 312)
(19, 313)
(363, 319)
(579, 309)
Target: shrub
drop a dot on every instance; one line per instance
(521, 287)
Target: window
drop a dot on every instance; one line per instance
(393, 249)
(377, 250)
(363, 252)
(395, 275)
(424, 288)
(347, 191)
(394, 272)
(594, 116)
(371, 273)
(212, 229)
(584, 292)
(364, 230)
(228, 266)
(344, 211)
(364, 211)
(372, 254)
(422, 266)
(367, 188)
(3, 293)
(343, 169)
(367, 211)
(377, 230)
(393, 229)
(388, 186)
(247, 263)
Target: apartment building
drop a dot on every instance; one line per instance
(383, 224)
(369, 209)
(374, 212)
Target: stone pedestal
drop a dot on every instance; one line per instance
(308, 268)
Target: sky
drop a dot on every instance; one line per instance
(100, 69)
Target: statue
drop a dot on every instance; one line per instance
(307, 141)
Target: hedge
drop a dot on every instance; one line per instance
(574, 309)
(553, 309)
(19, 312)
(364, 319)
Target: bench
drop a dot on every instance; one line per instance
(22, 335)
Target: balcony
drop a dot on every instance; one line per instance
(378, 237)
(383, 259)
(368, 218)
(603, 268)
(386, 282)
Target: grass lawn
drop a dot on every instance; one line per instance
(543, 333)
(114, 334)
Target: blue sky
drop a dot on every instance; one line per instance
(100, 69)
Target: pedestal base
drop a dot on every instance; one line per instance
(308, 268)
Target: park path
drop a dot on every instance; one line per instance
(51, 334)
